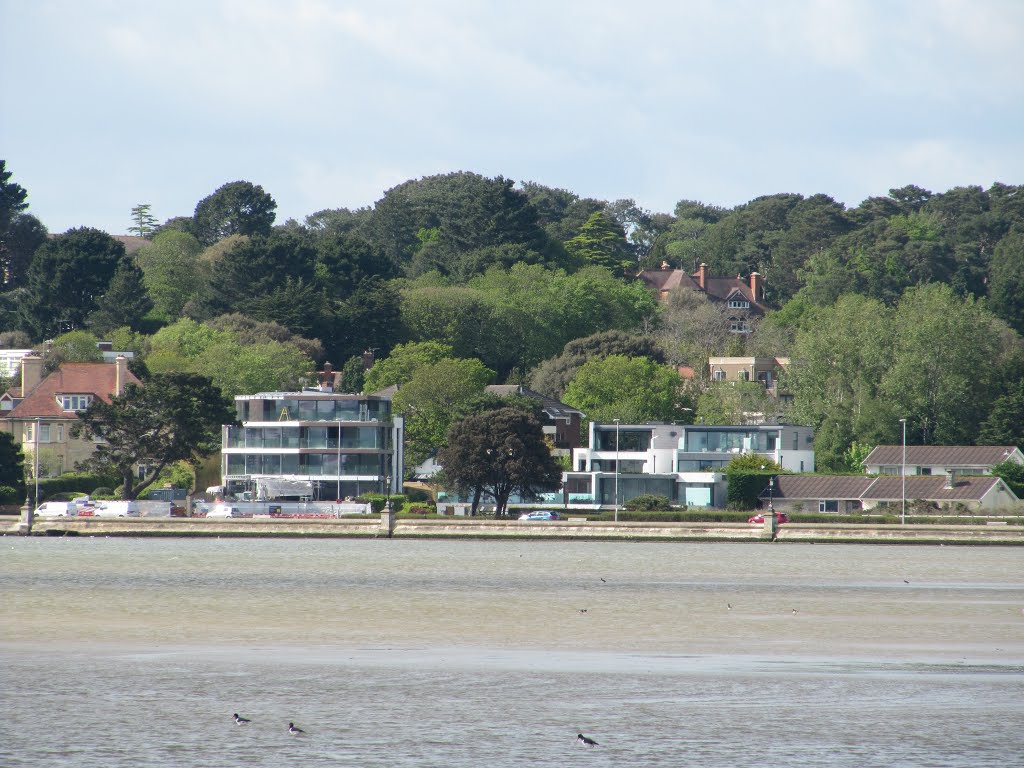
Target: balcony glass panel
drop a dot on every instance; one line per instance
(236, 464)
(316, 437)
(253, 437)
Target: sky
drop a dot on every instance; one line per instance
(107, 104)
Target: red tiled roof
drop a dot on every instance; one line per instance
(98, 379)
(941, 455)
(720, 288)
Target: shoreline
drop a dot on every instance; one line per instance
(387, 527)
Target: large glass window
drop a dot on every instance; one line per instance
(629, 439)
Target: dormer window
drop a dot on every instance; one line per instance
(74, 402)
(738, 302)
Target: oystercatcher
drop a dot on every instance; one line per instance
(581, 739)
(294, 730)
(241, 720)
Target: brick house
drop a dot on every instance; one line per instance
(744, 298)
(43, 409)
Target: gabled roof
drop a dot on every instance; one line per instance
(820, 486)
(724, 287)
(719, 288)
(931, 487)
(944, 455)
(664, 280)
(98, 379)
(884, 488)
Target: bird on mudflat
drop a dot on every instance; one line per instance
(581, 739)
(294, 730)
(241, 720)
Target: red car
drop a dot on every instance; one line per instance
(782, 517)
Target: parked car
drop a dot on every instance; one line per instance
(116, 509)
(539, 516)
(782, 517)
(57, 509)
(224, 510)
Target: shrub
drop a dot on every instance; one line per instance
(9, 495)
(649, 503)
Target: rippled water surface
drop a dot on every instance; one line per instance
(135, 652)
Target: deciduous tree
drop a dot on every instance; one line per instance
(635, 390)
(173, 417)
(499, 453)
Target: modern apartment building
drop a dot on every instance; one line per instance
(686, 463)
(314, 444)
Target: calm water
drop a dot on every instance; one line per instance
(121, 652)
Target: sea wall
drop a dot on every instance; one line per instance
(387, 526)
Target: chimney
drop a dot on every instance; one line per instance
(31, 373)
(120, 374)
(756, 289)
(327, 378)
(368, 359)
(950, 480)
(702, 276)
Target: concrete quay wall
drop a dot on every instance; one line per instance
(387, 526)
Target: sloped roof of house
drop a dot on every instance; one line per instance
(931, 487)
(943, 455)
(552, 406)
(719, 288)
(98, 379)
(664, 280)
(131, 243)
(820, 486)
(884, 488)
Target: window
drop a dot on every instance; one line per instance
(739, 304)
(738, 325)
(744, 376)
(74, 402)
(828, 505)
(718, 375)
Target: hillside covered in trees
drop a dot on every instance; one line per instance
(909, 305)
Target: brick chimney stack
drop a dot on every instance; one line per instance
(368, 359)
(31, 373)
(702, 276)
(756, 287)
(327, 378)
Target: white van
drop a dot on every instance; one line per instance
(116, 509)
(224, 510)
(57, 509)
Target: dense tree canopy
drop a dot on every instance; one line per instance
(633, 389)
(68, 276)
(237, 208)
(504, 275)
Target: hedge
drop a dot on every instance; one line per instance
(69, 482)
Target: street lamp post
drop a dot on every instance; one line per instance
(903, 475)
(339, 460)
(616, 470)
